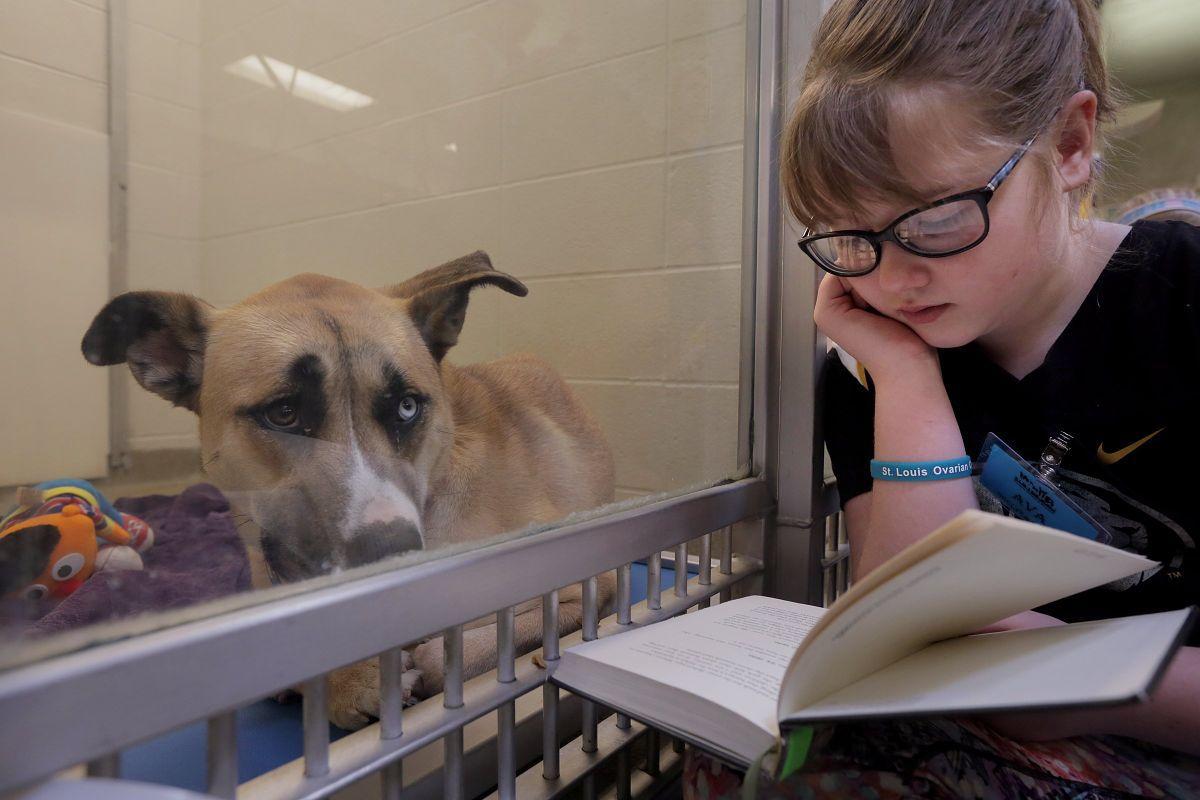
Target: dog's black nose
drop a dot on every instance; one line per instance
(382, 539)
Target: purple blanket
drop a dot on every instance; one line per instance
(197, 556)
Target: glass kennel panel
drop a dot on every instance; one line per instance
(294, 398)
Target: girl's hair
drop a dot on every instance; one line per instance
(1014, 62)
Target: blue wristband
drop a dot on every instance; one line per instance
(921, 470)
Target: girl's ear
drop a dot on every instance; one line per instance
(1076, 137)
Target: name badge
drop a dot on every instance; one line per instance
(1026, 495)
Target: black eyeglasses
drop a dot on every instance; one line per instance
(943, 228)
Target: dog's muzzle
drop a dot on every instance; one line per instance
(379, 540)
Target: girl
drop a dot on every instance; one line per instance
(939, 156)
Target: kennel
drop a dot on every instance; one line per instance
(509, 733)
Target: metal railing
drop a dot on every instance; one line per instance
(146, 686)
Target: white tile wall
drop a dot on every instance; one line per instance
(52, 94)
(61, 34)
(691, 17)
(163, 66)
(549, 37)
(606, 114)
(594, 221)
(177, 18)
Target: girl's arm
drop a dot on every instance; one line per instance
(913, 422)
(1171, 717)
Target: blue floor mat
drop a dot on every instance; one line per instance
(269, 734)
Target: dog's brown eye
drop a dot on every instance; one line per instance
(282, 414)
(409, 407)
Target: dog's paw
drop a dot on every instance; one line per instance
(354, 695)
(429, 662)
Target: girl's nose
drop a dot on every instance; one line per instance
(900, 271)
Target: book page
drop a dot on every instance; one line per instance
(1088, 663)
(733, 654)
(975, 570)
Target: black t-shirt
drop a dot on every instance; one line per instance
(1124, 379)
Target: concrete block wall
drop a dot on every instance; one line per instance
(594, 149)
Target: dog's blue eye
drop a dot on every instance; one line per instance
(408, 409)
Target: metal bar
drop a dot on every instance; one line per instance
(550, 732)
(452, 697)
(391, 718)
(653, 753)
(624, 592)
(726, 558)
(391, 693)
(550, 644)
(316, 727)
(506, 719)
(590, 609)
(654, 579)
(222, 755)
(505, 645)
(705, 565)
(392, 781)
(623, 774)
(108, 766)
(118, 215)
(591, 623)
(681, 570)
(589, 726)
(506, 751)
(453, 779)
(751, 369)
(550, 625)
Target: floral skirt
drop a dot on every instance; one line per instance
(958, 759)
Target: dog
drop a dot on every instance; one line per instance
(341, 435)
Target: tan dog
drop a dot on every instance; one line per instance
(329, 417)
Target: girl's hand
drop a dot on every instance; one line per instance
(879, 343)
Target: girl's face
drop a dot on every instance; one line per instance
(955, 300)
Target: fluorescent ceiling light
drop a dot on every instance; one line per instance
(273, 73)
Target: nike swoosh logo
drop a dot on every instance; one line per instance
(1106, 457)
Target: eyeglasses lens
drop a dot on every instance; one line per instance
(944, 228)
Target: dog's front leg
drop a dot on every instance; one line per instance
(354, 692)
(479, 644)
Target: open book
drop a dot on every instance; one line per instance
(730, 677)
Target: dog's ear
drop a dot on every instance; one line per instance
(437, 298)
(161, 335)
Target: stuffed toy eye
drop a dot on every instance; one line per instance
(67, 567)
(35, 592)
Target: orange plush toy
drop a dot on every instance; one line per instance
(63, 532)
(62, 544)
